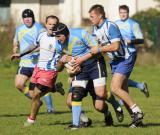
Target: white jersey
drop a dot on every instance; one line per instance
(48, 57)
(108, 33)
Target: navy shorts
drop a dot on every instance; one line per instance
(92, 69)
(28, 71)
(123, 66)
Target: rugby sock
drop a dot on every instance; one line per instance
(48, 100)
(26, 92)
(113, 102)
(135, 108)
(105, 110)
(76, 112)
(138, 85)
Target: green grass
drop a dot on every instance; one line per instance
(14, 109)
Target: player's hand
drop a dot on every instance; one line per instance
(15, 56)
(78, 61)
(73, 70)
(66, 58)
(127, 41)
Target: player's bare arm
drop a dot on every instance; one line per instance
(26, 51)
(15, 47)
(108, 48)
(80, 60)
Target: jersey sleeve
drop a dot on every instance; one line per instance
(89, 39)
(114, 33)
(137, 31)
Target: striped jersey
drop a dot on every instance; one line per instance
(131, 30)
(78, 43)
(47, 56)
(26, 37)
(107, 33)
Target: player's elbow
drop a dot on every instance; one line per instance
(116, 48)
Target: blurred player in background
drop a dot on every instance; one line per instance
(132, 36)
(25, 36)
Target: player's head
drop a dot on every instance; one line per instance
(123, 12)
(61, 32)
(97, 14)
(51, 21)
(28, 17)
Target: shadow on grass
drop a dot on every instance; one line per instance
(145, 125)
(95, 125)
(26, 114)
(60, 123)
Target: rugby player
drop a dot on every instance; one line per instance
(132, 36)
(25, 36)
(121, 61)
(45, 73)
(77, 43)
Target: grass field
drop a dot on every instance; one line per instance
(14, 109)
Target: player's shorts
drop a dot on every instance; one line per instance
(43, 77)
(27, 71)
(91, 69)
(123, 66)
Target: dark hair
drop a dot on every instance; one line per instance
(60, 28)
(28, 13)
(53, 17)
(124, 7)
(98, 8)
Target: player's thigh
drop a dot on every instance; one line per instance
(117, 81)
(21, 79)
(101, 91)
(125, 85)
(99, 74)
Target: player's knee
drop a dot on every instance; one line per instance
(19, 86)
(114, 88)
(78, 94)
(99, 106)
(102, 94)
(35, 96)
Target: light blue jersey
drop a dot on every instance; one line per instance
(107, 33)
(26, 37)
(78, 44)
(130, 30)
